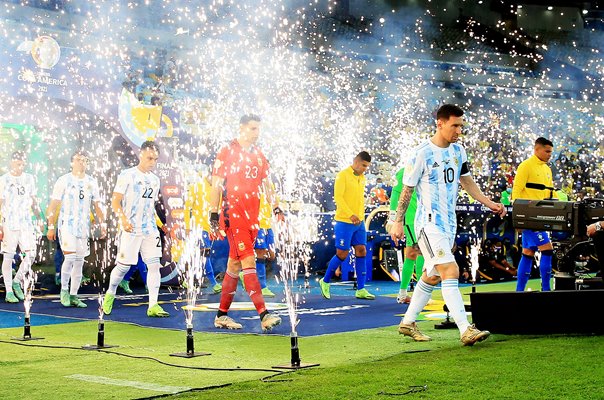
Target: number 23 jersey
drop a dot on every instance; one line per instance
(140, 191)
(243, 171)
(434, 173)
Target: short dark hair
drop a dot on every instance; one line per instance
(543, 142)
(249, 117)
(78, 152)
(363, 155)
(447, 110)
(18, 155)
(150, 144)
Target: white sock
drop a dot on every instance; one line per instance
(421, 297)
(66, 269)
(117, 274)
(7, 272)
(153, 282)
(76, 275)
(24, 268)
(454, 302)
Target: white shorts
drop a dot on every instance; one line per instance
(130, 245)
(24, 238)
(436, 247)
(72, 244)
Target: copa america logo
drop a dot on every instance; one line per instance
(46, 52)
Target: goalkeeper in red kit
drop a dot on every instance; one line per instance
(240, 174)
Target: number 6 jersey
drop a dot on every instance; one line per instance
(17, 194)
(76, 196)
(140, 191)
(434, 173)
(243, 171)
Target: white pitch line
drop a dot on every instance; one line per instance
(119, 382)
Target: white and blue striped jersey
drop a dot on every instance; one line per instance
(140, 192)
(76, 196)
(17, 193)
(434, 173)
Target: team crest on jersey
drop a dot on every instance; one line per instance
(260, 161)
(440, 253)
(456, 161)
(241, 246)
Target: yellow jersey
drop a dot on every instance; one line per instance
(197, 205)
(265, 216)
(532, 170)
(349, 195)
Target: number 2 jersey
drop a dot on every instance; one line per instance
(243, 171)
(76, 196)
(17, 194)
(140, 191)
(434, 173)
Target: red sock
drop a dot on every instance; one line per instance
(252, 285)
(229, 287)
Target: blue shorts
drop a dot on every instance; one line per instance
(533, 239)
(206, 243)
(265, 239)
(348, 235)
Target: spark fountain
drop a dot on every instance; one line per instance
(191, 266)
(29, 280)
(292, 254)
(474, 251)
(100, 338)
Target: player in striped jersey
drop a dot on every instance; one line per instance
(17, 201)
(74, 194)
(435, 170)
(133, 202)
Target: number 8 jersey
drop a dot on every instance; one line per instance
(140, 191)
(17, 194)
(434, 173)
(243, 171)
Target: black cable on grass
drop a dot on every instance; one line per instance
(412, 389)
(277, 372)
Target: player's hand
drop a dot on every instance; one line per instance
(215, 232)
(397, 232)
(355, 220)
(126, 225)
(499, 209)
(51, 234)
(278, 212)
(591, 229)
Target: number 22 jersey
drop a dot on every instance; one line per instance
(140, 191)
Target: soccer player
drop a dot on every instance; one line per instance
(241, 172)
(535, 170)
(133, 203)
(435, 170)
(197, 216)
(17, 201)
(73, 194)
(413, 256)
(349, 194)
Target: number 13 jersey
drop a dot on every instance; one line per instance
(140, 192)
(434, 173)
(243, 171)
(17, 194)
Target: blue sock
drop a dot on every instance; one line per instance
(142, 269)
(361, 269)
(545, 268)
(209, 271)
(524, 272)
(334, 263)
(261, 272)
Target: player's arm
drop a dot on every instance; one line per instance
(116, 206)
(520, 180)
(100, 217)
(51, 218)
(215, 191)
(1, 219)
(272, 198)
(470, 186)
(397, 229)
(37, 210)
